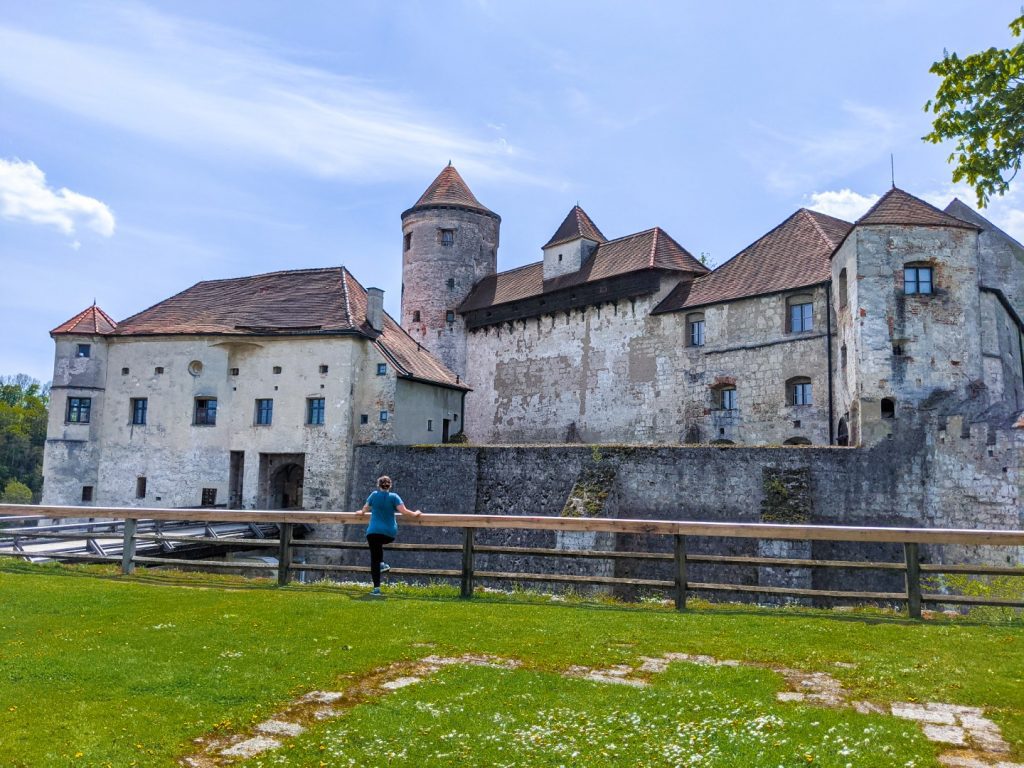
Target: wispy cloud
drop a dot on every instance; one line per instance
(25, 196)
(841, 203)
(794, 160)
(214, 90)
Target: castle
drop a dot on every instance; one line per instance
(252, 392)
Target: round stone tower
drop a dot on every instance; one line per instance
(449, 243)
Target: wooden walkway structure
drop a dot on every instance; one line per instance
(128, 535)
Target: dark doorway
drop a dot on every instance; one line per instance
(445, 425)
(281, 480)
(843, 433)
(235, 474)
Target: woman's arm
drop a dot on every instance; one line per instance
(364, 510)
(404, 510)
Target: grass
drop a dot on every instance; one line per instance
(102, 670)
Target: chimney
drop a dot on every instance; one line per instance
(375, 308)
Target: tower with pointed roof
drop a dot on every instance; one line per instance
(449, 243)
(572, 244)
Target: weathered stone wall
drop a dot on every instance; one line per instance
(616, 373)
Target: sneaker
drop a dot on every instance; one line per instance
(375, 591)
(384, 567)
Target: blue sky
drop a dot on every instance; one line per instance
(147, 146)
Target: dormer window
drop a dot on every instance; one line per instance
(447, 237)
(917, 280)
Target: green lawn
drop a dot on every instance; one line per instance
(98, 669)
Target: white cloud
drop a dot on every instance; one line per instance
(215, 91)
(24, 195)
(843, 203)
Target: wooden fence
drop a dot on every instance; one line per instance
(127, 534)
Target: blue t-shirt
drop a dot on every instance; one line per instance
(382, 513)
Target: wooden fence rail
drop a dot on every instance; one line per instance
(468, 574)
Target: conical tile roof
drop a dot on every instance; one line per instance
(449, 189)
(91, 321)
(577, 224)
(899, 207)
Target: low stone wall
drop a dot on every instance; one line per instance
(888, 485)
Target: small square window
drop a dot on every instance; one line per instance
(139, 407)
(158, 370)
(364, 418)
(124, 371)
(447, 237)
(83, 350)
(277, 369)
(234, 371)
(264, 412)
(86, 493)
(315, 409)
(323, 369)
(382, 369)
(917, 281)
(383, 415)
(79, 410)
(205, 412)
(140, 487)
(209, 497)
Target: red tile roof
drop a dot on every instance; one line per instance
(899, 207)
(91, 321)
(295, 302)
(577, 224)
(449, 189)
(652, 249)
(793, 255)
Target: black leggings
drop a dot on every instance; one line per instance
(377, 542)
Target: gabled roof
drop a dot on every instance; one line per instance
(449, 189)
(899, 207)
(965, 213)
(91, 321)
(327, 301)
(577, 224)
(793, 255)
(651, 249)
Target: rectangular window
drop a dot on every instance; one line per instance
(697, 333)
(450, 282)
(264, 412)
(802, 394)
(323, 369)
(277, 369)
(124, 371)
(140, 487)
(234, 371)
(801, 317)
(79, 409)
(315, 410)
(408, 241)
(917, 280)
(209, 497)
(383, 415)
(83, 350)
(449, 316)
(158, 370)
(139, 408)
(364, 418)
(382, 369)
(447, 237)
(206, 411)
(86, 493)
(415, 315)
(430, 425)
(728, 399)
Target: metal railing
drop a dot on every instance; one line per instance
(135, 530)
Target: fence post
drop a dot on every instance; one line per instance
(910, 553)
(284, 555)
(128, 547)
(680, 561)
(467, 563)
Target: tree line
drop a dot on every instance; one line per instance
(23, 415)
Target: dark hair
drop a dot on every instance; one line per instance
(384, 483)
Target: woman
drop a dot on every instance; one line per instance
(382, 504)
